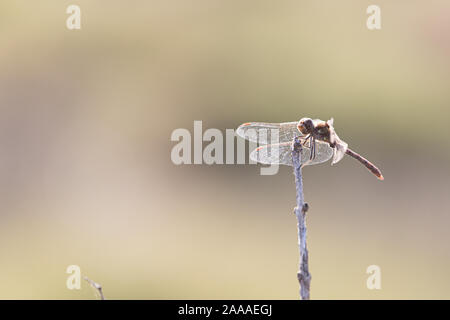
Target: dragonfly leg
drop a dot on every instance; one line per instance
(306, 139)
(315, 148)
(311, 149)
(312, 154)
(305, 164)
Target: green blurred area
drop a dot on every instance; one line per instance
(86, 177)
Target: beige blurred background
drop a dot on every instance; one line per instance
(85, 171)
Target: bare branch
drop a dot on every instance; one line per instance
(97, 287)
(303, 275)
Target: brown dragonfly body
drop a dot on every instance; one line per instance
(319, 136)
(324, 131)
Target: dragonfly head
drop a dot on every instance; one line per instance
(305, 125)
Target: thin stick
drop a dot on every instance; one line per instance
(97, 287)
(303, 275)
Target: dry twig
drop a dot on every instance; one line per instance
(303, 275)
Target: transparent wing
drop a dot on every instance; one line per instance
(266, 133)
(339, 151)
(341, 146)
(270, 133)
(281, 153)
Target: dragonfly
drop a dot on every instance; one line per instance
(320, 141)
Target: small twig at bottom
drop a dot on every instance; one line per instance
(96, 286)
(303, 275)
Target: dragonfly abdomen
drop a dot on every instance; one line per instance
(369, 165)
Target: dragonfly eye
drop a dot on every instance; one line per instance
(305, 125)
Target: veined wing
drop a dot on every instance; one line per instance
(270, 133)
(281, 153)
(340, 146)
(266, 133)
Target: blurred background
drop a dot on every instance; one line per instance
(85, 171)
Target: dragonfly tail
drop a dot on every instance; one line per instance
(369, 165)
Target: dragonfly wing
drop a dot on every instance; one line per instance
(281, 153)
(288, 131)
(339, 152)
(340, 146)
(267, 133)
(323, 153)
